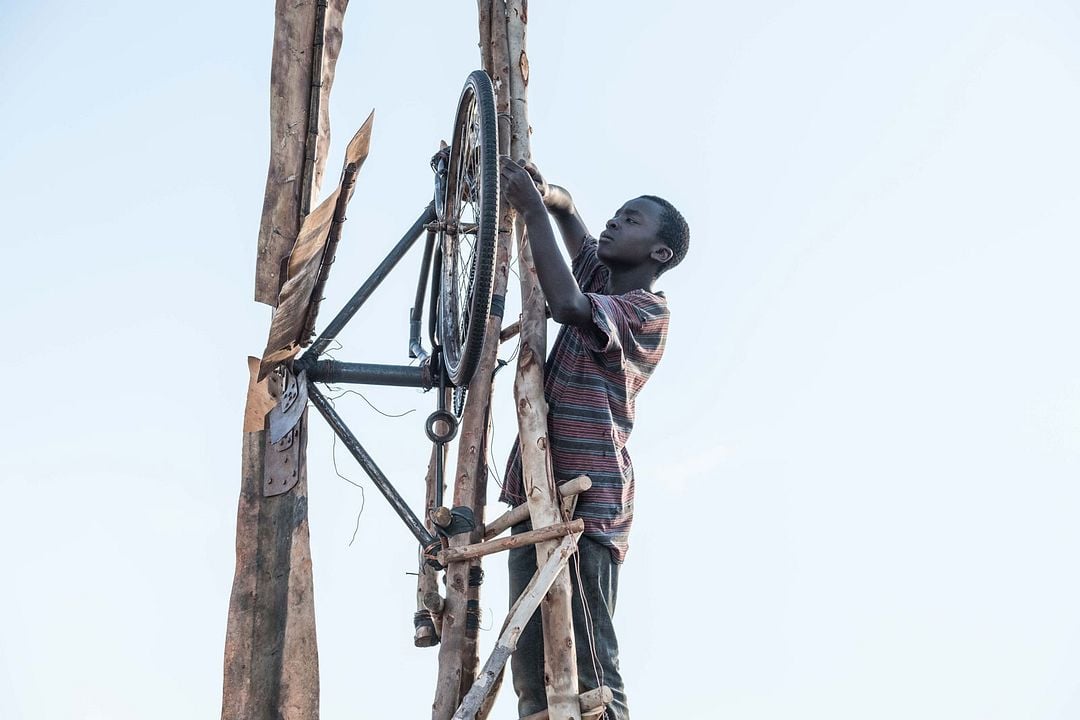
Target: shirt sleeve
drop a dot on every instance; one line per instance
(623, 327)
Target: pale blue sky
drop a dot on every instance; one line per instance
(857, 463)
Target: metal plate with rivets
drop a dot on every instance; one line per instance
(284, 459)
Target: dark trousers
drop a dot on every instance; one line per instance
(599, 585)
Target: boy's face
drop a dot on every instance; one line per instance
(630, 238)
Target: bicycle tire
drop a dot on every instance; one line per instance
(468, 243)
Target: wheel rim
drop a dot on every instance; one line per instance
(469, 230)
(463, 218)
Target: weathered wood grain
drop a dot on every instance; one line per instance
(458, 655)
(531, 537)
(560, 660)
(515, 623)
(568, 490)
(291, 81)
(271, 655)
(310, 260)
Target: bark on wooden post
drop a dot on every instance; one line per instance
(292, 80)
(543, 499)
(271, 654)
(458, 653)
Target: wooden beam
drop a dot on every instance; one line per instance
(459, 656)
(271, 656)
(531, 537)
(292, 73)
(520, 513)
(560, 659)
(271, 659)
(515, 624)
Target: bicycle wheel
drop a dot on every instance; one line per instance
(467, 230)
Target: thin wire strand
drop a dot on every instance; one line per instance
(598, 667)
(363, 493)
(343, 393)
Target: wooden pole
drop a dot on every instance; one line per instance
(532, 537)
(560, 660)
(459, 656)
(515, 624)
(271, 655)
(520, 514)
(295, 109)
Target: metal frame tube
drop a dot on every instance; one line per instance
(416, 313)
(373, 281)
(398, 503)
(336, 371)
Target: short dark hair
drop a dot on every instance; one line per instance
(674, 232)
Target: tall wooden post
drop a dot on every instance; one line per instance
(543, 499)
(271, 654)
(458, 652)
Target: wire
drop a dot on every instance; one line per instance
(598, 667)
(363, 493)
(343, 393)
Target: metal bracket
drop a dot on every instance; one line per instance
(290, 406)
(283, 461)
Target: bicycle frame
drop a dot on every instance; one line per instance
(428, 373)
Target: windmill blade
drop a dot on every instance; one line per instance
(310, 260)
(300, 84)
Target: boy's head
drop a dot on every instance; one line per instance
(645, 230)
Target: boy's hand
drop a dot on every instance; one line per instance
(541, 184)
(518, 186)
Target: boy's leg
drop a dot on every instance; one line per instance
(527, 662)
(600, 585)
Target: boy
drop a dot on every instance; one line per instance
(613, 334)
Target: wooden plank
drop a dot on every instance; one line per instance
(310, 260)
(531, 537)
(291, 76)
(271, 656)
(459, 656)
(514, 516)
(271, 653)
(560, 660)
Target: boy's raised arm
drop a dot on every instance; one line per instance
(568, 304)
(561, 206)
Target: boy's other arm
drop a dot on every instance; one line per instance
(568, 304)
(560, 204)
(571, 226)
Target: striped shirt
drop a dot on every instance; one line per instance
(591, 381)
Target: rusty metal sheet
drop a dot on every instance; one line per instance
(294, 91)
(310, 260)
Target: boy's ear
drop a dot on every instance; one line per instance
(662, 254)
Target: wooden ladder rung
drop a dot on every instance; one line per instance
(531, 537)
